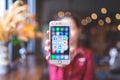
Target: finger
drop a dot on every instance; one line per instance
(72, 50)
(48, 32)
(47, 42)
(47, 49)
(48, 57)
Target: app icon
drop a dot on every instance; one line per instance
(64, 37)
(54, 38)
(57, 57)
(54, 42)
(57, 29)
(54, 46)
(66, 29)
(62, 29)
(53, 29)
(65, 47)
(53, 33)
(59, 47)
(53, 57)
(66, 57)
(62, 52)
(65, 42)
(57, 51)
(59, 37)
(62, 57)
(61, 33)
(57, 33)
(66, 33)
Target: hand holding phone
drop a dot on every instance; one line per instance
(59, 43)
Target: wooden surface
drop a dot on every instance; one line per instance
(32, 68)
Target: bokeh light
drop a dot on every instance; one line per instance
(108, 20)
(118, 27)
(67, 13)
(117, 16)
(88, 19)
(84, 22)
(61, 14)
(103, 10)
(94, 16)
(101, 22)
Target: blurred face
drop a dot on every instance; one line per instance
(74, 32)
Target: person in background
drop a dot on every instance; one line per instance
(81, 65)
(114, 61)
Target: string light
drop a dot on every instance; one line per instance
(94, 16)
(103, 10)
(117, 16)
(101, 22)
(84, 22)
(118, 27)
(67, 13)
(108, 20)
(88, 19)
(61, 14)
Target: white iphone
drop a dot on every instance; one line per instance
(60, 42)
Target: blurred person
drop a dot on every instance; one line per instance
(81, 65)
(114, 61)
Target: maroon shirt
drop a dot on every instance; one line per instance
(80, 68)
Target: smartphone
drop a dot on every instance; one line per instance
(60, 42)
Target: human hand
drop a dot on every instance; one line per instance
(47, 48)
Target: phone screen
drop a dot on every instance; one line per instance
(60, 42)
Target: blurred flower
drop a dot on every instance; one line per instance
(17, 21)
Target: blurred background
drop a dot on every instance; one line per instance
(25, 58)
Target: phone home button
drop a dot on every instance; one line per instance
(59, 62)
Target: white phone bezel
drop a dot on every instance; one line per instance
(59, 62)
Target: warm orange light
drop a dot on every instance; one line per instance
(67, 13)
(118, 27)
(101, 22)
(84, 22)
(94, 16)
(88, 19)
(103, 10)
(108, 20)
(117, 16)
(61, 14)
